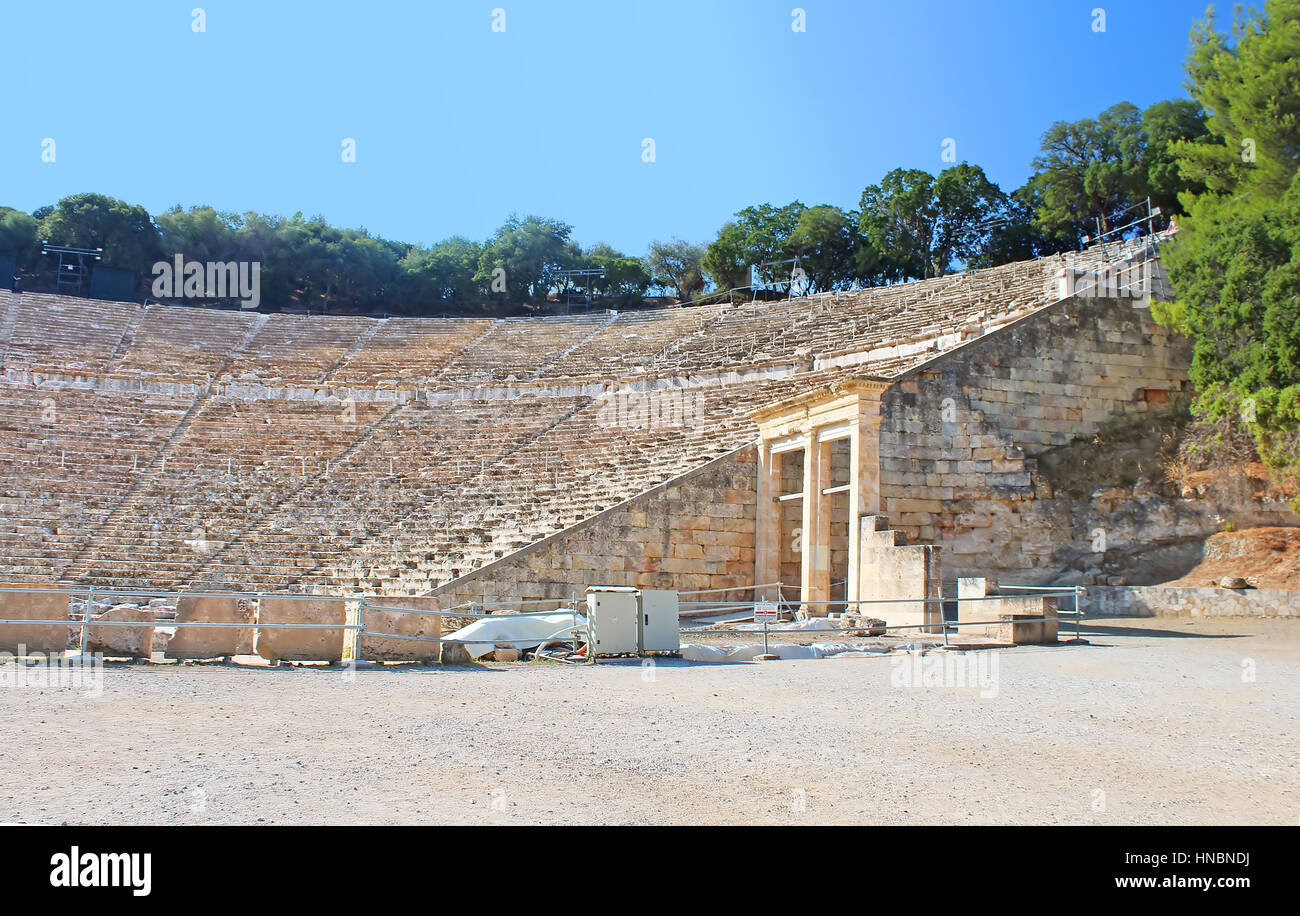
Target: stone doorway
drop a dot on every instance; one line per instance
(818, 455)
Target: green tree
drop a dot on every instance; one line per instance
(761, 241)
(677, 265)
(966, 203)
(726, 259)
(767, 238)
(1166, 125)
(361, 271)
(125, 231)
(1013, 234)
(199, 233)
(626, 278)
(18, 235)
(1247, 84)
(1096, 173)
(445, 272)
(312, 263)
(530, 251)
(263, 239)
(914, 225)
(1087, 170)
(825, 241)
(895, 221)
(1235, 263)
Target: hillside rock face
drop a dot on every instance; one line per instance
(1141, 535)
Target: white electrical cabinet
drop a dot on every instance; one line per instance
(623, 620)
(612, 614)
(660, 626)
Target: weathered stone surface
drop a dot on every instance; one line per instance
(979, 618)
(1058, 378)
(1161, 601)
(863, 626)
(455, 653)
(645, 546)
(1027, 620)
(905, 578)
(33, 637)
(377, 648)
(212, 642)
(301, 645)
(123, 642)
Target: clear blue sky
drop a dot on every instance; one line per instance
(457, 126)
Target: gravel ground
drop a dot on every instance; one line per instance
(1155, 721)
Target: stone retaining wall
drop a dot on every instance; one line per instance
(1161, 601)
(694, 532)
(959, 436)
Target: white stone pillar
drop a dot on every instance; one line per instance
(815, 583)
(767, 533)
(864, 484)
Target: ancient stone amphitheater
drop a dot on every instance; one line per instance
(167, 447)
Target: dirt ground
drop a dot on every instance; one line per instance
(1156, 721)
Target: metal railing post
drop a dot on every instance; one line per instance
(356, 634)
(85, 619)
(943, 615)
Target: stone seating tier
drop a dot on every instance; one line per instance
(163, 446)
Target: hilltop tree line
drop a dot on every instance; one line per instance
(309, 262)
(911, 225)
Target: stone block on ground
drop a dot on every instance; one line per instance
(455, 653)
(212, 642)
(378, 648)
(301, 645)
(122, 642)
(33, 637)
(863, 626)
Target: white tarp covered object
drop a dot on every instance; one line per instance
(812, 623)
(518, 631)
(693, 653)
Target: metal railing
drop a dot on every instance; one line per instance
(480, 610)
(942, 625)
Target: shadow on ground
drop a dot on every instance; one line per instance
(1103, 630)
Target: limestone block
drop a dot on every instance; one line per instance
(979, 618)
(1026, 629)
(455, 653)
(301, 645)
(33, 637)
(123, 642)
(379, 648)
(212, 642)
(687, 551)
(855, 625)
